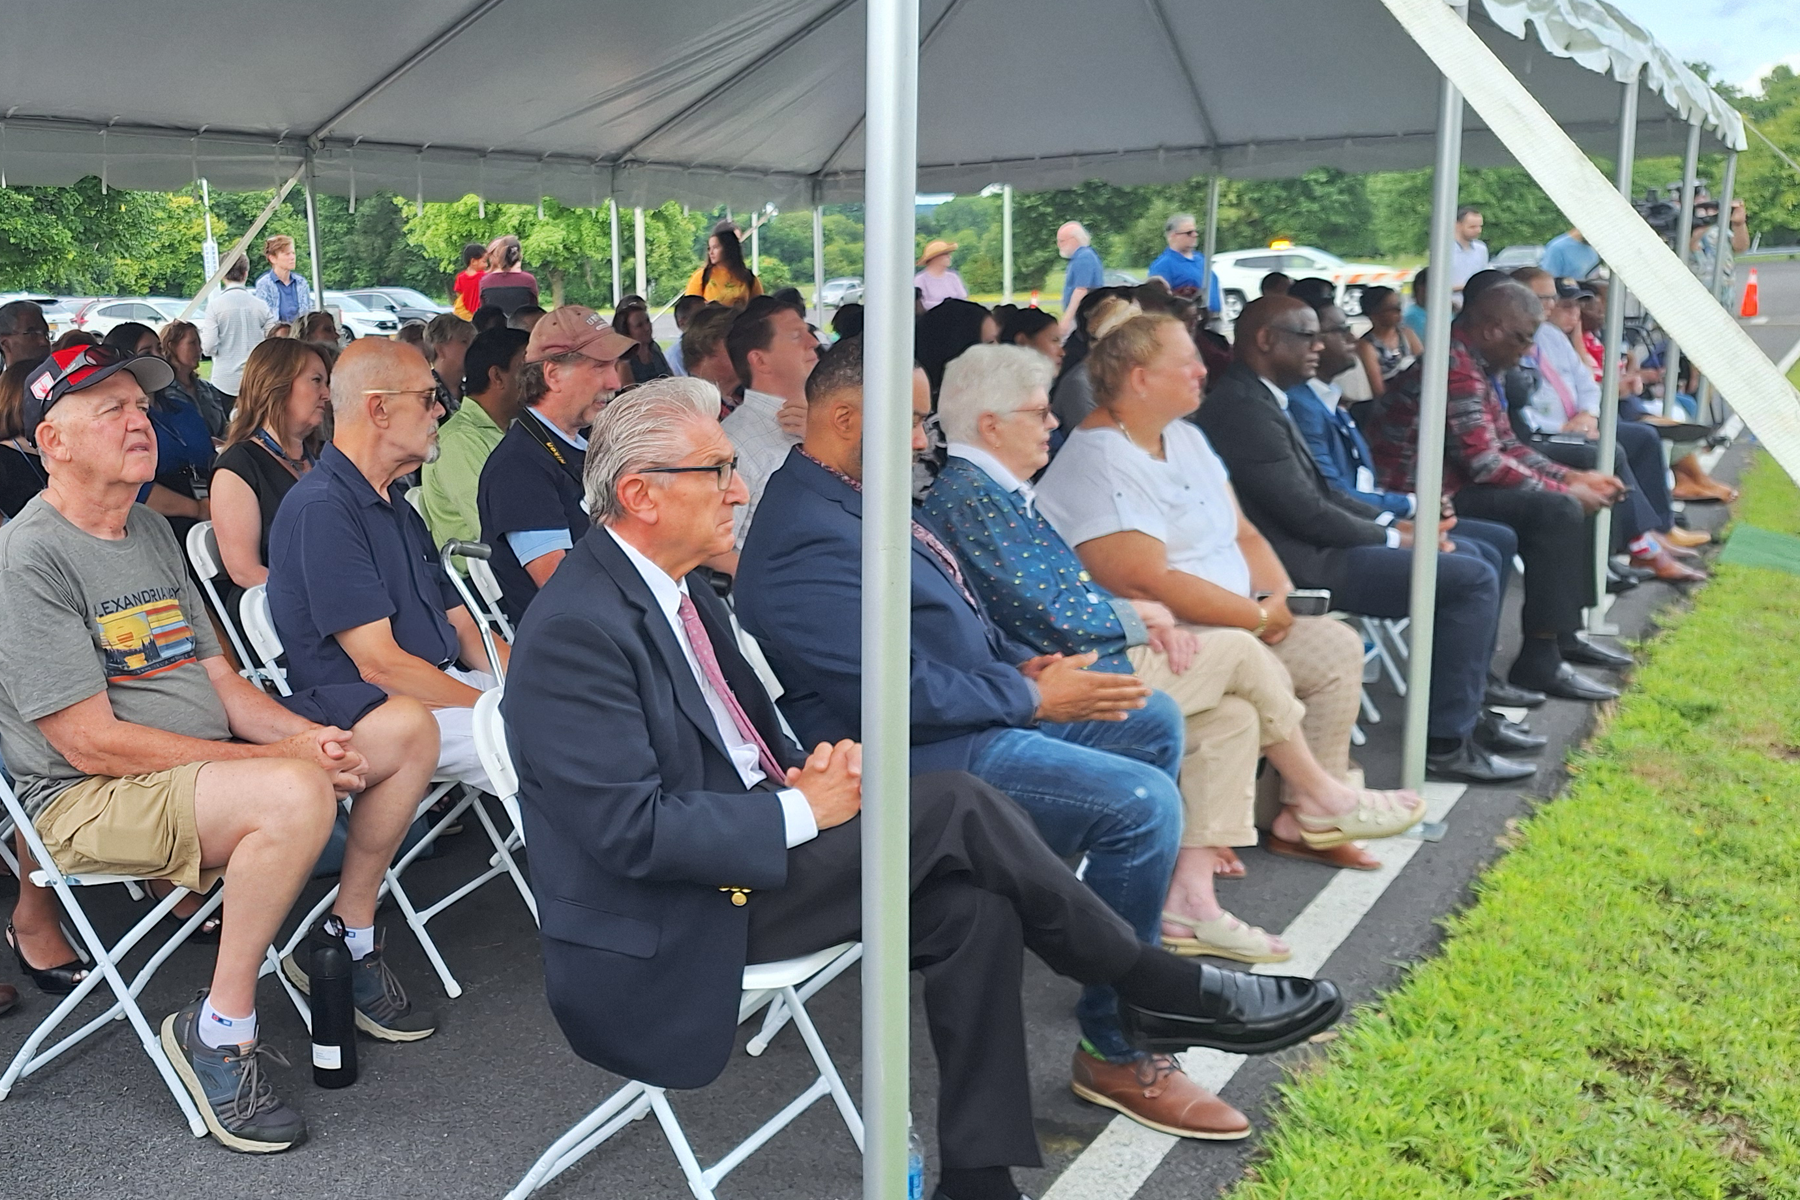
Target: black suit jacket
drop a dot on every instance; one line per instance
(1277, 482)
(636, 818)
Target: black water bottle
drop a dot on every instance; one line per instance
(333, 1009)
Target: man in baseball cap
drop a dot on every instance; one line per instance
(573, 329)
(530, 496)
(81, 367)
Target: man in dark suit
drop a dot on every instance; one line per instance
(676, 835)
(1092, 756)
(1328, 539)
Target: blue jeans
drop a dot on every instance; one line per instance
(1106, 789)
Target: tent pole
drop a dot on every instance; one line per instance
(1006, 244)
(1703, 399)
(243, 241)
(1684, 231)
(312, 236)
(1211, 241)
(1433, 401)
(892, 75)
(637, 233)
(756, 243)
(1613, 339)
(618, 293)
(819, 262)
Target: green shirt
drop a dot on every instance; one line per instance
(448, 485)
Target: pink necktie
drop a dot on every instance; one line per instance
(709, 664)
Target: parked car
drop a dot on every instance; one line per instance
(1514, 257)
(839, 292)
(360, 318)
(100, 315)
(405, 303)
(1113, 277)
(1241, 271)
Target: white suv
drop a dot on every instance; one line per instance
(1241, 272)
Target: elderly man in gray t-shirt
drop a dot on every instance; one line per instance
(138, 750)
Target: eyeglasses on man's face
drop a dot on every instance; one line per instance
(1306, 335)
(722, 472)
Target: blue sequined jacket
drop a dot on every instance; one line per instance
(1033, 585)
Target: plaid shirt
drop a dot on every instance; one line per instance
(1479, 443)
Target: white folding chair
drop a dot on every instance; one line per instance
(106, 960)
(782, 987)
(486, 610)
(203, 557)
(259, 628)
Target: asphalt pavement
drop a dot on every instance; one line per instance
(466, 1112)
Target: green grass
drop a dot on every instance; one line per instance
(1618, 1015)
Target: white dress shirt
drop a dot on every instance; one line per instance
(796, 813)
(996, 470)
(762, 445)
(1393, 535)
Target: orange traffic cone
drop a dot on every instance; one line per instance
(1034, 297)
(1750, 296)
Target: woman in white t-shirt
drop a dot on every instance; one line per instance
(1150, 511)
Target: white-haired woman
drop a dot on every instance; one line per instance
(1237, 697)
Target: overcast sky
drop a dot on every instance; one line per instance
(1742, 39)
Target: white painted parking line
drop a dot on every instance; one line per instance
(1125, 1154)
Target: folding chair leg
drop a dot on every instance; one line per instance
(503, 851)
(619, 1110)
(1370, 713)
(815, 1045)
(684, 1153)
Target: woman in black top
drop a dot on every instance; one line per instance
(274, 439)
(21, 473)
(645, 361)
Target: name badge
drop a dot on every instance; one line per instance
(1365, 479)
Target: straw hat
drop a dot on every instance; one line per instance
(935, 248)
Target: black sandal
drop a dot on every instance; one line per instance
(53, 981)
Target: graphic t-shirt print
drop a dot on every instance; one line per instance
(144, 633)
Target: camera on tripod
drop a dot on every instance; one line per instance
(1661, 209)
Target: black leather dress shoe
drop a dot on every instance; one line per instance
(1570, 684)
(1241, 1013)
(1501, 694)
(1620, 581)
(1495, 732)
(1469, 763)
(1577, 649)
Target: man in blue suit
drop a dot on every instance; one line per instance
(1091, 755)
(676, 835)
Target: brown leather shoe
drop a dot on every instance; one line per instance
(1685, 538)
(1154, 1091)
(1666, 568)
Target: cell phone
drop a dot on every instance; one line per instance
(1307, 602)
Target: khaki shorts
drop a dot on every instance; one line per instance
(142, 825)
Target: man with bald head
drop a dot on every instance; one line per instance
(1358, 551)
(355, 586)
(137, 749)
(1084, 272)
(1493, 476)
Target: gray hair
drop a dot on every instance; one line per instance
(1177, 219)
(988, 379)
(637, 430)
(697, 394)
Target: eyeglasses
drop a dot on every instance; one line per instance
(1309, 334)
(721, 471)
(1187, 233)
(1040, 413)
(1334, 330)
(428, 395)
(1521, 338)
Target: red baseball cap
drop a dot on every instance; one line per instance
(81, 367)
(571, 329)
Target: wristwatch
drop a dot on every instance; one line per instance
(1262, 622)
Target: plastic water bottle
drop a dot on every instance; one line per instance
(915, 1162)
(333, 1009)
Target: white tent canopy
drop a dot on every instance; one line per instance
(709, 101)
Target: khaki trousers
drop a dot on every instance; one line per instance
(1237, 698)
(1324, 658)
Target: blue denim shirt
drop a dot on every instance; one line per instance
(1034, 587)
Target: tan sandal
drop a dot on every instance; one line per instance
(1376, 815)
(1223, 937)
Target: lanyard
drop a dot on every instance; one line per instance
(535, 427)
(297, 466)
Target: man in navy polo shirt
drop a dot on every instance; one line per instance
(530, 496)
(355, 587)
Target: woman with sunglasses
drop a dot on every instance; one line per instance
(1390, 345)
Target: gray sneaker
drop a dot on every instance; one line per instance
(227, 1085)
(382, 1008)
